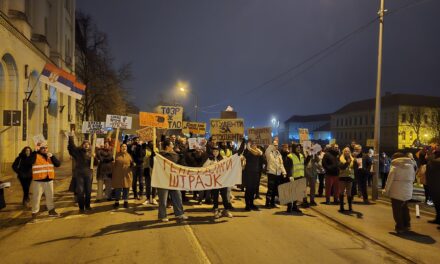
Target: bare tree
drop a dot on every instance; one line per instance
(436, 124)
(105, 91)
(415, 121)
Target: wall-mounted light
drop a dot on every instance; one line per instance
(61, 108)
(26, 72)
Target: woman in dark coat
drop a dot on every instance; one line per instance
(23, 168)
(105, 167)
(251, 174)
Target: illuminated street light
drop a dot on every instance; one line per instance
(182, 86)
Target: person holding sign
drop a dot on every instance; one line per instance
(176, 196)
(213, 159)
(137, 153)
(82, 173)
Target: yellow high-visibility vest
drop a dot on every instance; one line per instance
(298, 165)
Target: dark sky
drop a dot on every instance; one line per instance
(225, 49)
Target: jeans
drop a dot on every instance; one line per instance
(25, 185)
(176, 199)
(400, 214)
(332, 182)
(321, 184)
(83, 190)
(272, 188)
(138, 176)
(149, 191)
(205, 195)
(224, 193)
(124, 192)
(38, 188)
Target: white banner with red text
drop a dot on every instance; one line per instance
(172, 176)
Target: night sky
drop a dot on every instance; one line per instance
(226, 49)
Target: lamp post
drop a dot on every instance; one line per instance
(196, 99)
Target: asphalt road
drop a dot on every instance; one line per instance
(135, 236)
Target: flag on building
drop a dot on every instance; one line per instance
(63, 81)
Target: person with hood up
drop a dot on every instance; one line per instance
(23, 168)
(275, 173)
(82, 173)
(346, 177)
(330, 164)
(251, 174)
(399, 187)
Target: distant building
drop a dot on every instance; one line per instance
(33, 33)
(318, 126)
(406, 120)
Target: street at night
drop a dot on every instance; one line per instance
(195, 131)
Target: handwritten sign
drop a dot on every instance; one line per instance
(197, 143)
(196, 128)
(93, 127)
(303, 134)
(175, 115)
(172, 176)
(153, 120)
(227, 129)
(146, 134)
(117, 121)
(292, 191)
(260, 136)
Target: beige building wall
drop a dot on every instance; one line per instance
(25, 38)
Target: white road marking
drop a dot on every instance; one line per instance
(195, 244)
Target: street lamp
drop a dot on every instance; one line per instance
(182, 87)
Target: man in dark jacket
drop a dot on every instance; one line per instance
(330, 164)
(433, 181)
(82, 172)
(137, 153)
(23, 168)
(362, 167)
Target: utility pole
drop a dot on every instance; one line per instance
(374, 192)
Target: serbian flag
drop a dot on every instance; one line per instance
(78, 90)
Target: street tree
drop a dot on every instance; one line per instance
(416, 121)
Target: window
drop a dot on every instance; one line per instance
(403, 135)
(410, 135)
(360, 120)
(355, 121)
(403, 118)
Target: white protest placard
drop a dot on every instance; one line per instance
(172, 176)
(39, 140)
(303, 134)
(292, 191)
(197, 143)
(315, 149)
(175, 115)
(307, 146)
(100, 142)
(117, 121)
(93, 127)
(260, 136)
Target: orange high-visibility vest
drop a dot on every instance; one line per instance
(42, 168)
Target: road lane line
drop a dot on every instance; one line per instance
(195, 244)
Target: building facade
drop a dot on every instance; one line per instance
(406, 121)
(33, 33)
(318, 126)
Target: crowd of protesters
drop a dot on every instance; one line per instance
(339, 175)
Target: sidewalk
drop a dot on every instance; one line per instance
(376, 222)
(13, 195)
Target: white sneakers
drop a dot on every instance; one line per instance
(225, 213)
(182, 217)
(151, 201)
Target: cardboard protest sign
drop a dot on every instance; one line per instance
(100, 142)
(146, 134)
(153, 120)
(196, 128)
(172, 176)
(292, 191)
(307, 146)
(260, 136)
(197, 143)
(174, 113)
(303, 134)
(93, 127)
(227, 129)
(370, 142)
(117, 121)
(39, 140)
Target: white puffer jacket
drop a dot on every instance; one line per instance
(274, 161)
(400, 180)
